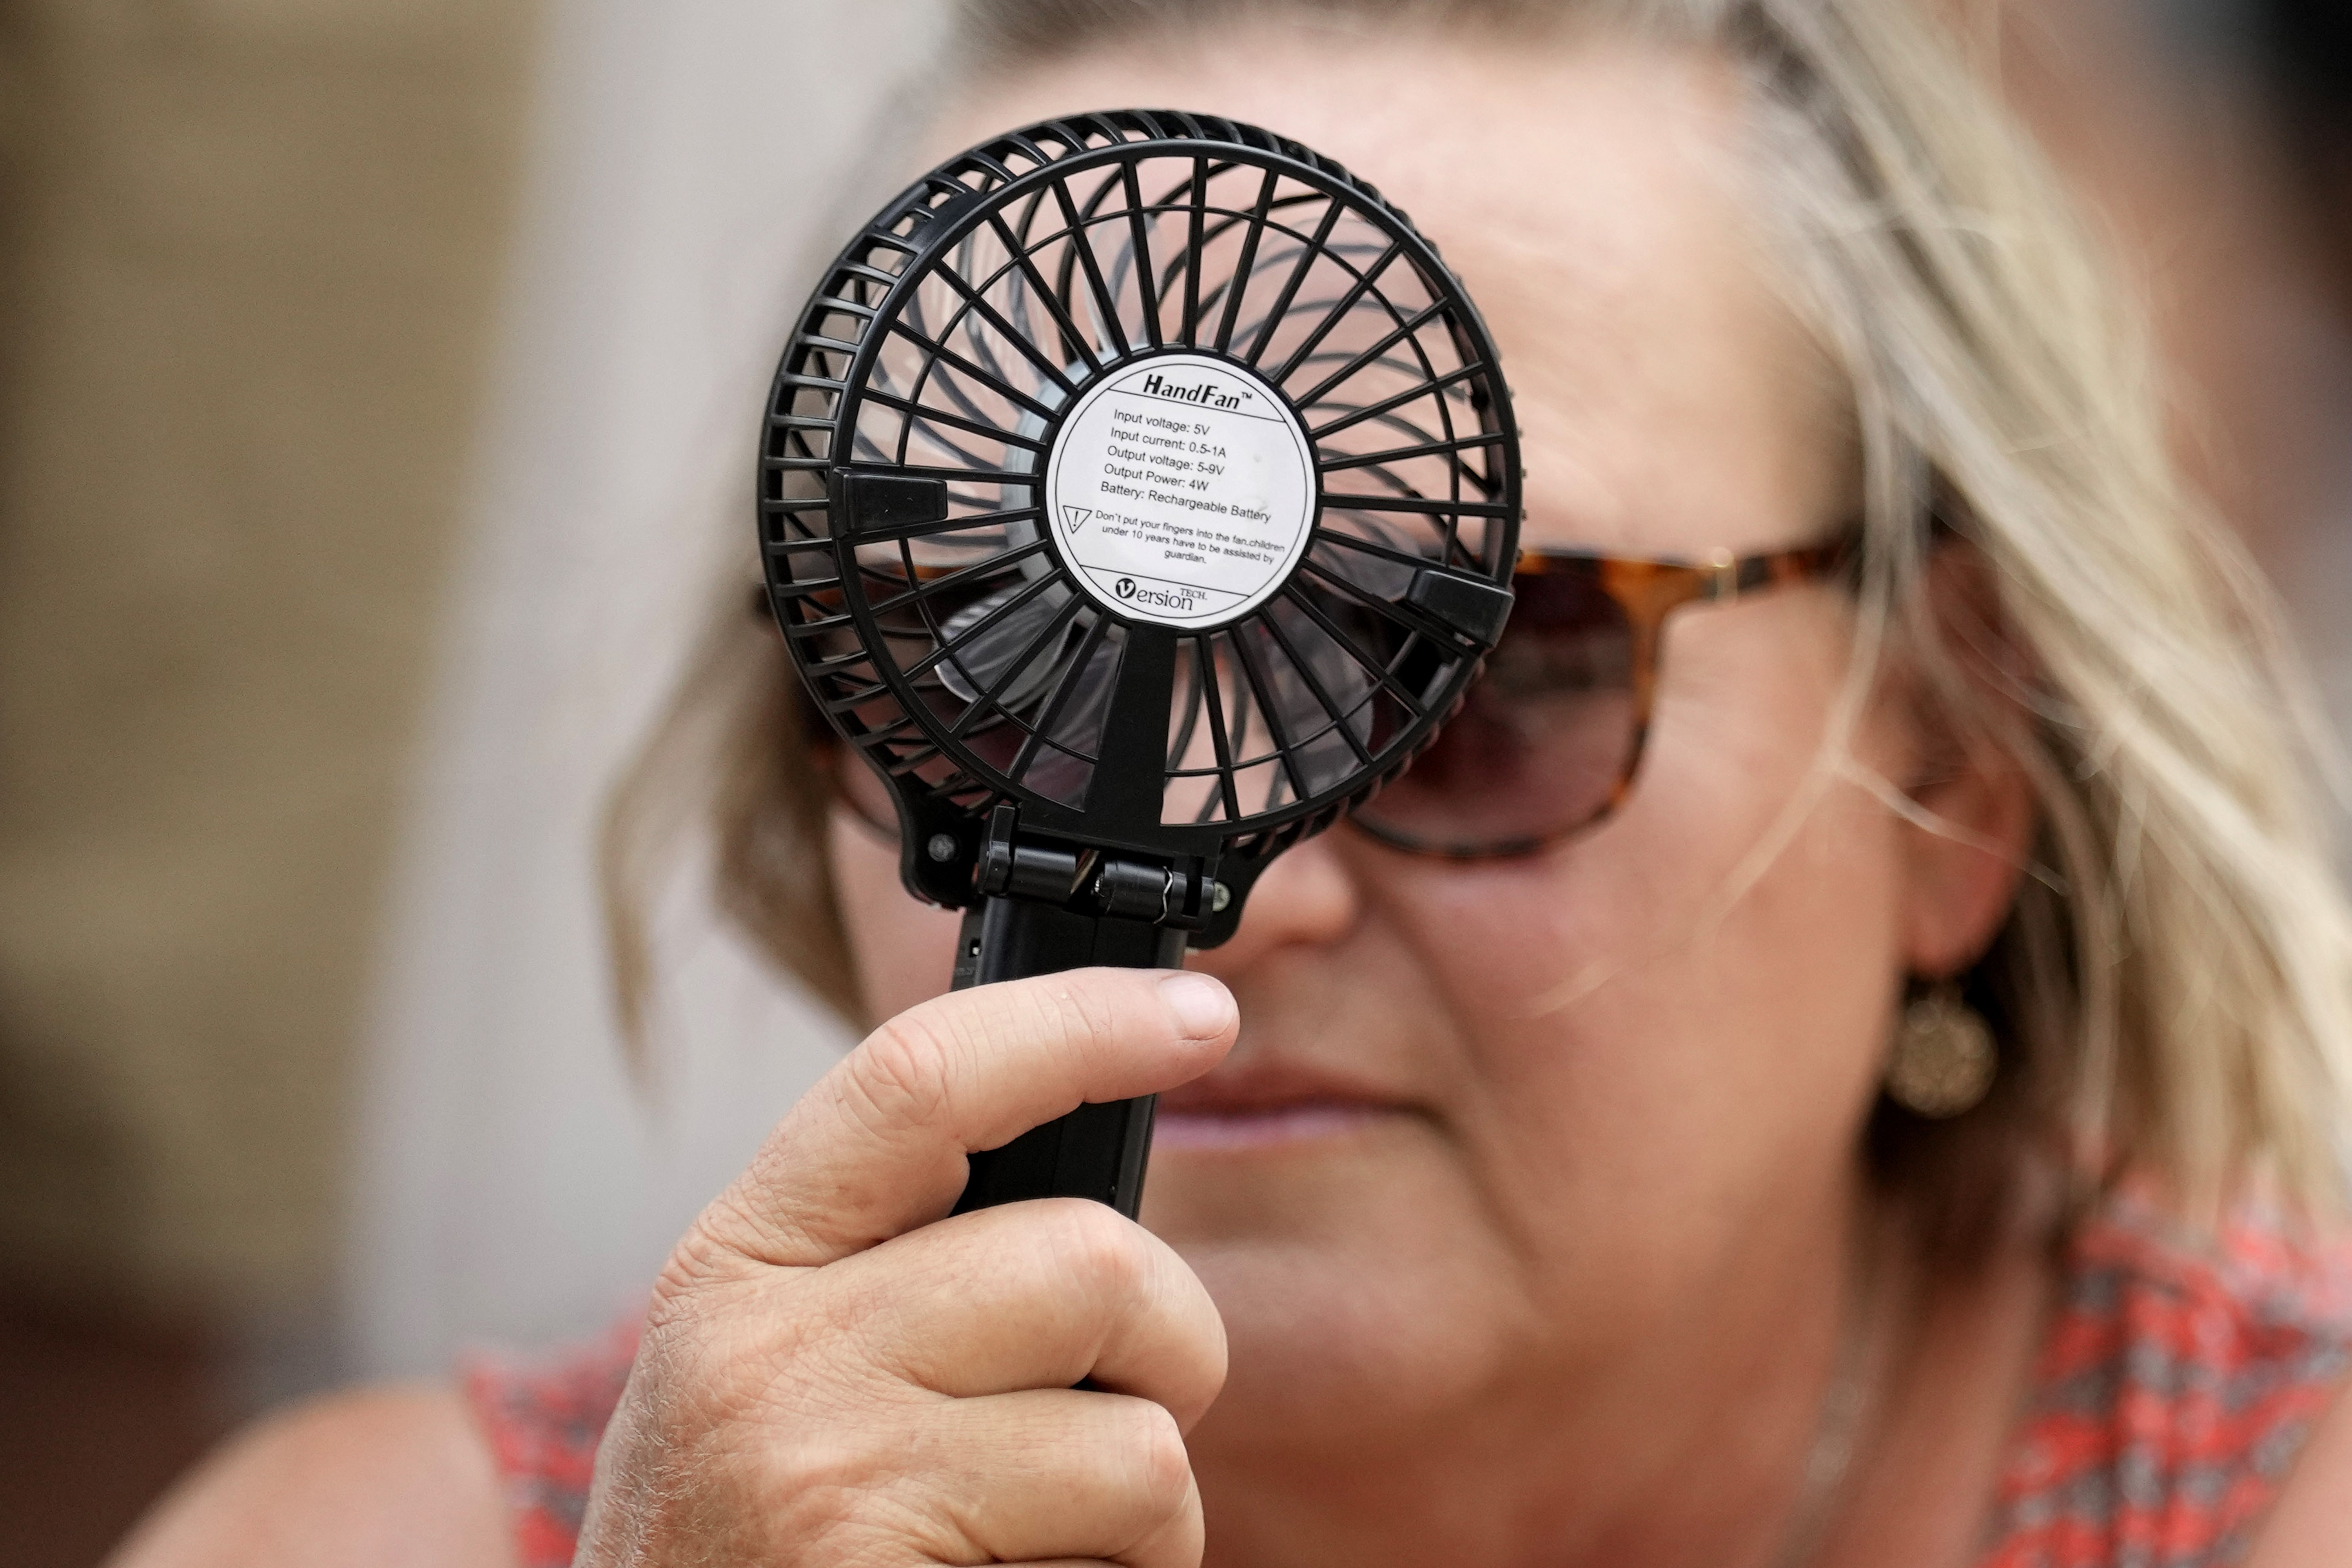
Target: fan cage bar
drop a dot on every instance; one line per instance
(827, 380)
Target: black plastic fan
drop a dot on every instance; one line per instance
(1139, 492)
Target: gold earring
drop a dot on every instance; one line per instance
(1942, 1062)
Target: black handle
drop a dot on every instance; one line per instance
(1097, 1152)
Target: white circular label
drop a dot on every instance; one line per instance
(1180, 490)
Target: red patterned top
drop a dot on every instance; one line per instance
(2175, 1388)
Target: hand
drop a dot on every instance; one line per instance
(835, 1374)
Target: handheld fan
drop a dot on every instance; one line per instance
(1139, 492)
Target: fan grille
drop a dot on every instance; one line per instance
(951, 640)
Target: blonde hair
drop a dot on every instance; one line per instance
(2171, 985)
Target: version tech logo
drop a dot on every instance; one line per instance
(1182, 601)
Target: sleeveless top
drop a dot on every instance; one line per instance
(2174, 1388)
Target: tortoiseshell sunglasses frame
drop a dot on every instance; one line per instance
(1647, 590)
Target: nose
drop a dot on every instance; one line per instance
(1308, 896)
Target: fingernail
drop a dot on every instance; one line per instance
(1203, 1008)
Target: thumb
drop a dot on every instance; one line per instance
(877, 1148)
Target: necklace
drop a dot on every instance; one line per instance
(1846, 1403)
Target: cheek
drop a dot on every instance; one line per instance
(904, 948)
(1737, 850)
(1679, 1017)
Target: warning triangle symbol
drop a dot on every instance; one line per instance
(1074, 517)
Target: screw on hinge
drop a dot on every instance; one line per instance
(942, 847)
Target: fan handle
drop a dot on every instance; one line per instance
(1096, 1152)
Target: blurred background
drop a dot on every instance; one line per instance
(376, 392)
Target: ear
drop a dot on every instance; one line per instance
(1965, 848)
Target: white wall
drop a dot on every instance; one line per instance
(696, 161)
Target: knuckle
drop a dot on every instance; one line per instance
(1159, 1468)
(706, 1262)
(680, 1288)
(822, 1473)
(823, 1494)
(1107, 1253)
(874, 1492)
(899, 1074)
(1065, 1010)
(1083, 1015)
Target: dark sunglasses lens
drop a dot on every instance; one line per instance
(1546, 738)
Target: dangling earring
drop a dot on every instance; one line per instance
(1942, 1062)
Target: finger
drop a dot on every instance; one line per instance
(1033, 1295)
(877, 1147)
(1048, 1474)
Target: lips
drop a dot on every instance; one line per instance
(1267, 1106)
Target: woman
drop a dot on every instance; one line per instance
(1897, 1129)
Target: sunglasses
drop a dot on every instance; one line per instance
(1551, 737)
